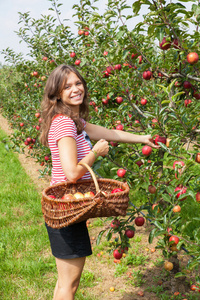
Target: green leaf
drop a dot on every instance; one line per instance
(100, 236)
(152, 235)
(158, 225)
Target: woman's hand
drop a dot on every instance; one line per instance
(101, 147)
(148, 140)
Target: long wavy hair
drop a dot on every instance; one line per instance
(52, 104)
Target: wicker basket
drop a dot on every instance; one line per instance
(60, 213)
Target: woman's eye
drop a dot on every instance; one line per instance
(79, 83)
(67, 87)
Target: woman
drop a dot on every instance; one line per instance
(64, 114)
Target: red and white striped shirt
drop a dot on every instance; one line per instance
(63, 126)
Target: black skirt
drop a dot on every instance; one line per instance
(70, 242)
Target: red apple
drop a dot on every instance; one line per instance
(37, 127)
(143, 101)
(180, 163)
(129, 233)
(78, 195)
(177, 84)
(77, 62)
(164, 45)
(115, 223)
(46, 158)
(196, 95)
(86, 33)
(89, 194)
(29, 139)
(160, 75)
(45, 58)
(176, 208)
(146, 150)
(182, 190)
(21, 124)
(139, 221)
(152, 189)
(154, 205)
(105, 53)
(169, 230)
(187, 102)
(37, 115)
(114, 144)
(140, 59)
(117, 254)
(192, 58)
(147, 75)
(35, 73)
(139, 163)
(72, 54)
(119, 100)
(174, 239)
(120, 127)
(187, 85)
(67, 197)
(116, 191)
(106, 74)
(160, 139)
(175, 44)
(81, 32)
(105, 101)
(118, 67)
(121, 172)
(134, 55)
(197, 158)
(198, 196)
(52, 196)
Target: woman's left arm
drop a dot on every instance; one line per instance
(97, 132)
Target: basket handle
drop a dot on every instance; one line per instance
(92, 174)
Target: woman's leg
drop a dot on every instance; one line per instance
(69, 274)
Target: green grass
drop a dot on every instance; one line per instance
(27, 268)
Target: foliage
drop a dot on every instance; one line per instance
(103, 43)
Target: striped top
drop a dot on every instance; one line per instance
(63, 126)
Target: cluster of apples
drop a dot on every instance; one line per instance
(130, 233)
(79, 195)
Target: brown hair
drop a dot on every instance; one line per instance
(52, 104)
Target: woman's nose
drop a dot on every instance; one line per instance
(75, 88)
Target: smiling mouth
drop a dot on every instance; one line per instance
(77, 96)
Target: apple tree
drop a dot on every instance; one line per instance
(143, 77)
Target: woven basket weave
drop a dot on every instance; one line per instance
(60, 213)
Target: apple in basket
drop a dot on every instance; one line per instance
(89, 194)
(78, 195)
(116, 191)
(52, 196)
(64, 205)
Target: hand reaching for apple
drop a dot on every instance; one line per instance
(101, 147)
(148, 140)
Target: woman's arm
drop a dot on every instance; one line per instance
(97, 132)
(68, 157)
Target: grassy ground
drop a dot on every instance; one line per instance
(27, 268)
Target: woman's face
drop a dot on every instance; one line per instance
(73, 92)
